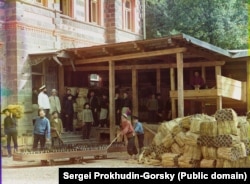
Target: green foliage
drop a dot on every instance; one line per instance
(223, 23)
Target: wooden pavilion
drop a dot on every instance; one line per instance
(174, 53)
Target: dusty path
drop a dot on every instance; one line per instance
(23, 172)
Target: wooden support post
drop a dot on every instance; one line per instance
(172, 79)
(179, 57)
(172, 88)
(158, 80)
(61, 89)
(203, 73)
(248, 85)
(112, 100)
(134, 92)
(219, 98)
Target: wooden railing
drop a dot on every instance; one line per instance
(226, 87)
(231, 88)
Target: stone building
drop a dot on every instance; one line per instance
(42, 27)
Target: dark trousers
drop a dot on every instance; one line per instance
(69, 123)
(118, 118)
(104, 122)
(12, 136)
(86, 130)
(56, 142)
(95, 117)
(131, 148)
(140, 138)
(39, 138)
(152, 116)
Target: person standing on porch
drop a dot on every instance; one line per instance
(104, 105)
(117, 109)
(56, 129)
(87, 121)
(152, 105)
(68, 110)
(197, 82)
(94, 106)
(55, 104)
(43, 100)
(126, 105)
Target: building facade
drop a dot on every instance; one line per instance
(45, 26)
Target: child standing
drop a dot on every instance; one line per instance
(87, 121)
(56, 129)
(139, 132)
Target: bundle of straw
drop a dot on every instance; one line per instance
(207, 163)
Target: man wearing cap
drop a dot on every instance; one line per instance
(139, 132)
(43, 100)
(55, 104)
(128, 130)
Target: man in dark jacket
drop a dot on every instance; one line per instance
(68, 110)
(94, 106)
(10, 130)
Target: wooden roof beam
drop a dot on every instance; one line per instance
(107, 51)
(138, 47)
(131, 56)
(152, 66)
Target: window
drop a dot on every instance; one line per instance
(127, 15)
(95, 80)
(41, 2)
(66, 7)
(93, 11)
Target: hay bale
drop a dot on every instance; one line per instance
(185, 162)
(193, 152)
(168, 140)
(82, 92)
(176, 130)
(73, 90)
(219, 163)
(243, 126)
(227, 114)
(226, 140)
(209, 153)
(195, 125)
(180, 139)
(205, 163)
(16, 110)
(228, 153)
(169, 159)
(175, 148)
(213, 128)
(191, 138)
(185, 122)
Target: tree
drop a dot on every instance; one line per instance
(220, 22)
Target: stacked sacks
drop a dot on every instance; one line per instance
(228, 143)
(199, 141)
(192, 152)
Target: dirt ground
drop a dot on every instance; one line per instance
(31, 172)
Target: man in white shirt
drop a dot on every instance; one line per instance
(55, 104)
(43, 100)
